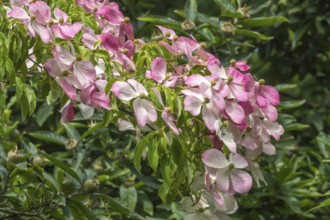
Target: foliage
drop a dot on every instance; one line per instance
(297, 58)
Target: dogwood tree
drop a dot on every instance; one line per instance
(200, 124)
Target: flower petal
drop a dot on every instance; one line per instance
(158, 69)
(271, 94)
(124, 91)
(238, 160)
(241, 180)
(18, 13)
(269, 149)
(235, 112)
(214, 158)
(138, 87)
(144, 112)
(222, 180)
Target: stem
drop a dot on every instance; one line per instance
(35, 63)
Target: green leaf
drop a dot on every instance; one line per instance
(19, 88)
(10, 70)
(116, 205)
(324, 203)
(28, 101)
(190, 9)
(253, 34)
(51, 181)
(178, 152)
(103, 54)
(295, 127)
(85, 213)
(285, 87)
(226, 5)
(49, 137)
(61, 165)
(153, 155)
(43, 113)
(142, 144)
(264, 21)
(129, 196)
(161, 20)
(163, 191)
(291, 104)
(71, 131)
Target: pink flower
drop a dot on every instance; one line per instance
(144, 110)
(166, 32)
(62, 28)
(228, 133)
(233, 81)
(89, 38)
(266, 95)
(92, 97)
(167, 116)
(37, 22)
(226, 173)
(83, 70)
(67, 112)
(160, 75)
(196, 101)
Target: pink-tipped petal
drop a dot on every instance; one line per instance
(214, 158)
(60, 14)
(168, 33)
(235, 112)
(18, 13)
(68, 89)
(242, 66)
(222, 180)
(144, 112)
(193, 105)
(271, 95)
(67, 112)
(238, 160)
(169, 120)
(158, 70)
(124, 91)
(269, 149)
(241, 180)
(138, 87)
(196, 80)
(42, 12)
(270, 112)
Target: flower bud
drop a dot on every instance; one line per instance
(142, 95)
(227, 27)
(68, 185)
(39, 160)
(70, 144)
(188, 25)
(127, 20)
(91, 185)
(97, 167)
(261, 81)
(203, 45)
(61, 20)
(233, 62)
(14, 156)
(50, 22)
(32, 17)
(125, 51)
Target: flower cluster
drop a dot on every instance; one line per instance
(238, 112)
